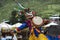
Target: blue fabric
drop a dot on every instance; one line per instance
(14, 31)
(40, 28)
(24, 25)
(58, 38)
(49, 37)
(52, 38)
(36, 33)
(55, 38)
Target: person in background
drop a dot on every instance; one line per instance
(14, 17)
(59, 36)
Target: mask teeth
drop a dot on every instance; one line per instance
(30, 14)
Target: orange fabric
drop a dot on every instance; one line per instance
(38, 30)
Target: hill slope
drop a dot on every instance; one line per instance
(44, 8)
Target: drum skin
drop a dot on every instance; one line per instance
(37, 20)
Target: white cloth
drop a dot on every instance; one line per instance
(17, 25)
(14, 38)
(3, 38)
(52, 23)
(8, 37)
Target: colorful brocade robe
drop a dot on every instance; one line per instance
(34, 35)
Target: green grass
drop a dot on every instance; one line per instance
(43, 9)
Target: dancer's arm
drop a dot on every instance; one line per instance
(24, 25)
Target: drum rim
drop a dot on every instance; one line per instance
(36, 24)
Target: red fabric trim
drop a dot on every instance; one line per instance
(18, 29)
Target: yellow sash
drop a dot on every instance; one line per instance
(40, 37)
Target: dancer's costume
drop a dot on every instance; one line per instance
(34, 32)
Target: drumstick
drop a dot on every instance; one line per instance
(19, 4)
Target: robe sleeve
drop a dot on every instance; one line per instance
(24, 25)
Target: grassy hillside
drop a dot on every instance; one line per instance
(44, 8)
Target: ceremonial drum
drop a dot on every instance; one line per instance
(37, 20)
